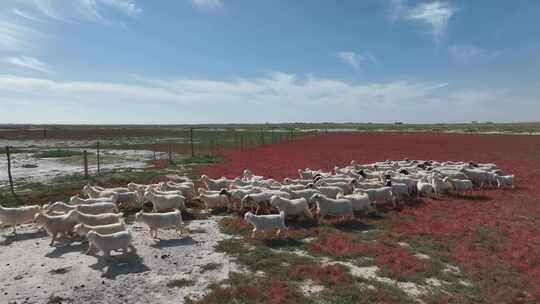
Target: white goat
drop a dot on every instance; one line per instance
(95, 220)
(156, 221)
(83, 229)
(291, 207)
(108, 242)
(96, 208)
(76, 200)
(304, 193)
(460, 186)
(16, 216)
(346, 187)
(506, 180)
(137, 187)
(56, 225)
(439, 185)
(330, 191)
(380, 195)
(335, 207)
(94, 192)
(424, 188)
(288, 181)
(263, 197)
(165, 202)
(481, 177)
(215, 184)
(360, 202)
(214, 201)
(266, 222)
(235, 196)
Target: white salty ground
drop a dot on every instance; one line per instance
(27, 260)
(48, 168)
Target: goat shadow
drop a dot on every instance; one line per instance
(184, 241)
(6, 240)
(475, 197)
(117, 265)
(353, 225)
(66, 247)
(276, 243)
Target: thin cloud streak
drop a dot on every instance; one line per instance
(87, 10)
(26, 15)
(207, 4)
(28, 63)
(435, 14)
(356, 60)
(14, 36)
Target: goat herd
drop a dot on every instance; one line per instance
(347, 191)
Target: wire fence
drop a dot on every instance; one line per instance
(38, 155)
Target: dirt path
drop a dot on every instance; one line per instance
(34, 272)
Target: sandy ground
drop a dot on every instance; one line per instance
(29, 267)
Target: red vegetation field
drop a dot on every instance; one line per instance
(493, 236)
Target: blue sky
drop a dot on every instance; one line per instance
(222, 61)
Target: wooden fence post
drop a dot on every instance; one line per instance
(11, 187)
(170, 154)
(98, 159)
(191, 142)
(85, 154)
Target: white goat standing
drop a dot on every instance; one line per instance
(16, 216)
(292, 207)
(156, 221)
(108, 242)
(267, 222)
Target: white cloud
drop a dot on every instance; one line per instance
(357, 59)
(350, 58)
(208, 4)
(27, 15)
(126, 6)
(28, 63)
(275, 97)
(87, 10)
(14, 36)
(436, 14)
(467, 53)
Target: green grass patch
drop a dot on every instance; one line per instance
(201, 159)
(57, 153)
(61, 270)
(210, 267)
(180, 283)
(249, 289)
(11, 150)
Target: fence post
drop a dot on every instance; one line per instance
(191, 142)
(262, 137)
(170, 154)
(98, 159)
(44, 133)
(85, 164)
(292, 133)
(11, 187)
